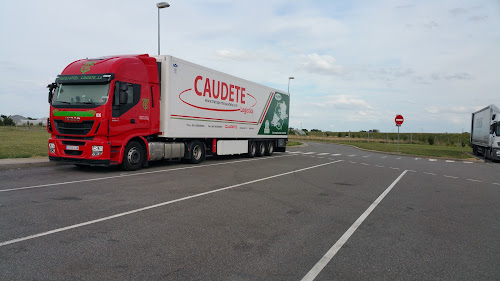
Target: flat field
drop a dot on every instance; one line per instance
(23, 142)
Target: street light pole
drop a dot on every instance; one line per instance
(160, 5)
(289, 78)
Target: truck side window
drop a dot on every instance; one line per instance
(133, 97)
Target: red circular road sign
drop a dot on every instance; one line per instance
(399, 120)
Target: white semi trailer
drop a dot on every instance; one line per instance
(485, 132)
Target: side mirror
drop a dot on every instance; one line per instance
(52, 87)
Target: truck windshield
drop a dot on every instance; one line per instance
(81, 95)
(497, 128)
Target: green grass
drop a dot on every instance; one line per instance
(425, 150)
(23, 142)
(293, 143)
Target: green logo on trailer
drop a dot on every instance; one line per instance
(276, 120)
(145, 104)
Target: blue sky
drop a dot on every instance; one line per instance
(356, 63)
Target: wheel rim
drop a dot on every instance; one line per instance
(253, 148)
(271, 147)
(262, 148)
(134, 156)
(197, 152)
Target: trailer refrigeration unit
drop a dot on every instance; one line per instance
(128, 110)
(485, 132)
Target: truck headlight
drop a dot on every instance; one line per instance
(97, 150)
(498, 153)
(52, 147)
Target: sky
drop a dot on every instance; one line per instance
(356, 64)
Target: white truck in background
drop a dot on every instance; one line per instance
(485, 132)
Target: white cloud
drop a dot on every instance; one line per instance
(325, 64)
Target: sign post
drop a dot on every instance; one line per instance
(399, 121)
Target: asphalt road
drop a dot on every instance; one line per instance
(319, 212)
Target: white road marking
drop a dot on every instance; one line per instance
(155, 206)
(352, 155)
(337, 154)
(496, 183)
(432, 160)
(141, 173)
(307, 153)
(366, 156)
(383, 157)
(450, 161)
(417, 158)
(325, 153)
(294, 151)
(399, 158)
(311, 275)
(379, 166)
(430, 173)
(413, 171)
(450, 177)
(474, 180)
(394, 168)
(468, 162)
(366, 164)
(353, 162)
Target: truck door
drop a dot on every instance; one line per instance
(126, 110)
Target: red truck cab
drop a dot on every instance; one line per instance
(102, 110)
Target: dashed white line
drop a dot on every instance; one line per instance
(417, 158)
(430, 174)
(366, 156)
(474, 180)
(306, 153)
(366, 164)
(446, 176)
(450, 161)
(325, 153)
(467, 162)
(433, 160)
(379, 166)
(399, 158)
(383, 157)
(318, 267)
(353, 162)
(496, 183)
(394, 168)
(337, 154)
(155, 206)
(352, 155)
(413, 171)
(294, 152)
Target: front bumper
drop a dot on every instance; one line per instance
(79, 151)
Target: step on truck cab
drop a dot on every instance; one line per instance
(130, 109)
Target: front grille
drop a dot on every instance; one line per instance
(74, 138)
(73, 152)
(77, 143)
(82, 128)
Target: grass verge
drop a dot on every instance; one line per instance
(409, 149)
(23, 142)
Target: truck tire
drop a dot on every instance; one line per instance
(252, 149)
(261, 148)
(133, 156)
(197, 152)
(474, 150)
(269, 148)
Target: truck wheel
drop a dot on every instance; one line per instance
(133, 157)
(197, 151)
(252, 149)
(261, 148)
(474, 150)
(270, 148)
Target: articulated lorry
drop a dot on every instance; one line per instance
(485, 132)
(131, 109)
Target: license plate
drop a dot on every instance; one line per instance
(72, 147)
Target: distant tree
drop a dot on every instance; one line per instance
(339, 135)
(316, 130)
(375, 131)
(29, 118)
(1, 122)
(430, 140)
(7, 121)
